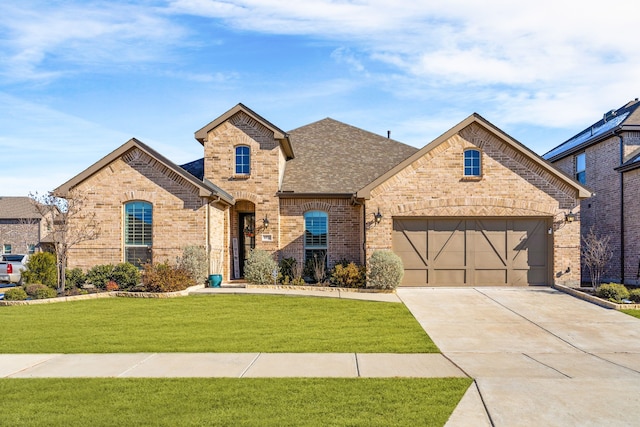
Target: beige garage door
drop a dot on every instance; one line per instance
(472, 251)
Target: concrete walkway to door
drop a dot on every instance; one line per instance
(539, 357)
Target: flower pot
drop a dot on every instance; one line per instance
(215, 280)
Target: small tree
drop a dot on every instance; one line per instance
(68, 222)
(596, 253)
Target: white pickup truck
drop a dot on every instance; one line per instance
(11, 267)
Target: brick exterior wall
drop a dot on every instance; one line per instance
(632, 227)
(511, 186)
(345, 229)
(179, 213)
(603, 210)
(19, 234)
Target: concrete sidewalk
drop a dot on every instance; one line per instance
(234, 365)
(539, 357)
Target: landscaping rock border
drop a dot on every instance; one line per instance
(595, 300)
(321, 288)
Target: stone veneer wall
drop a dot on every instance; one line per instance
(179, 213)
(511, 185)
(345, 228)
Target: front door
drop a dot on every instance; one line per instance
(247, 233)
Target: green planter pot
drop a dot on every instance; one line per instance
(215, 280)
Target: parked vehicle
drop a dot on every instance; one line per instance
(12, 266)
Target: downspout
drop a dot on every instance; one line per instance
(622, 243)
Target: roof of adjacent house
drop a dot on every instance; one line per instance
(18, 208)
(624, 118)
(335, 158)
(207, 189)
(631, 164)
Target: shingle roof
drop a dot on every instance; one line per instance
(335, 158)
(17, 208)
(625, 116)
(195, 168)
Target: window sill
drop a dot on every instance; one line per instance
(240, 177)
(471, 178)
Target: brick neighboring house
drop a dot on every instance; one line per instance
(606, 158)
(473, 207)
(21, 226)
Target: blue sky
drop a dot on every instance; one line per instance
(78, 78)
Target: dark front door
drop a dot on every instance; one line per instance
(247, 241)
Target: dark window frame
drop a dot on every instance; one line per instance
(242, 160)
(472, 166)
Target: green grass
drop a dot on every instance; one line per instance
(224, 402)
(634, 313)
(221, 323)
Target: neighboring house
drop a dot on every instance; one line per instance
(20, 226)
(606, 158)
(473, 207)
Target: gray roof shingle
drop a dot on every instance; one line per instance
(335, 158)
(17, 208)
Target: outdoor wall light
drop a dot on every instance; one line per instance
(570, 217)
(377, 216)
(265, 222)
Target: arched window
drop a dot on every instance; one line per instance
(138, 232)
(243, 160)
(472, 163)
(315, 235)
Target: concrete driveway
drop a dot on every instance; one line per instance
(539, 357)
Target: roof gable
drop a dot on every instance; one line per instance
(207, 189)
(626, 117)
(582, 191)
(278, 133)
(335, 158)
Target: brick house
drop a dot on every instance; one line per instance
(606, 158)
(21, 226)
(473, 207)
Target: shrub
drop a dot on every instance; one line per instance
(194, 261)
(348, 276)
(99, 275)
(111, 286)
(634, 296)
(15, 294)
(613, 292)
(126, 275)
(41, 268)
(259, 267)
(286, 267)
(385, 270)
(165, 278)
(74, 278)
(40, 291)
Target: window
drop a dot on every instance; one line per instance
(243, 156)
(315, 235)
(138, 222)
(581, 168)
(6, 249)
(32, 249)
(472, 163)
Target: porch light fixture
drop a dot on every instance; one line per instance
(570, 217)
(377, 216)
(265, 222)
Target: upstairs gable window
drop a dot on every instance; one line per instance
(581, 168)
(243, 160)
(472, 164)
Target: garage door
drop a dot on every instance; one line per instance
(472, 251)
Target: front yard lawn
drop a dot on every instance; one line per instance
(226, 402)
(634, 313)
(221, 323)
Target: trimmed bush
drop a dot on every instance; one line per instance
(385, 270)
(165, 278)
(15, 294)
(614, 292)
(41, 268)
(126, 275)
(348, 276)
(74, 278)
(634, 296)
(39, 291)
(99, 275)
(194, 261)
(259, 267)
